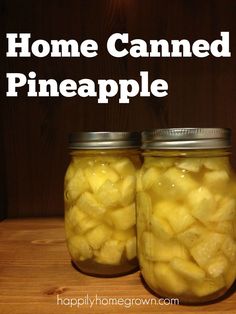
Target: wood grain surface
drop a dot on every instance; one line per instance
(35, 270)
(34, 130)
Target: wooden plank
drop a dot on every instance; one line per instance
(35, 268)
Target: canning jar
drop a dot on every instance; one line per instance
(100, 187)
(186, 217)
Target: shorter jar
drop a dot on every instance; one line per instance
(186, 214)
(100, 187)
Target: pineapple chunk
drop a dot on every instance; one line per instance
(192, 235)
(217, 266)
(174, 184)
(159, 250)
(127, 190)
(109, 194)
(124, 167)
(110, 253)
(161, 228)
(97, 175)
(187, 269)
(76, 185)
(164, 209)
(123, 235)
(207, 248)
(180, 219)
(229, 248)
(79, 248)
(123, 218)
(79, 221)
(97, 236)
(130, 248)
(216, 180)
(208, 286)
(159, 162)
(216, 163)
(70, 172)
(202, 203)
(222, 227)
(190, 164)
(144, 211)
(168, 280)
(88, 204)
(149, 177)
(226, 211)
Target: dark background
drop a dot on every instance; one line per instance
(33, 137)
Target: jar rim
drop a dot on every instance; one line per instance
(187, 138)
(104, 140)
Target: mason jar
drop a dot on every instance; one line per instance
(186, 217)
(100, 216)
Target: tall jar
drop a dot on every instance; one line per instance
(186, 214)
(100, 187)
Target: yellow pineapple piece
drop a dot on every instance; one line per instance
(168, 280)
(159, 250)
(164, 208)
(144, 211)
(216, 163)
(127, 190)
(174, 184)
(88, 204)
(110, 253)
(161, 228)
(190, 164)
(192, 235)
(79, 248)
(130, 248)
(124, 167)
(98, 174)
(109, 194)
(216, 180)
(123, 218)
(187, 269)
(217, 266)
(207, 248)
(70, 172)
(123, 235)
(180, 219)
(206, 287)
(202, 204)
(76, 185)
(229, 248)
(160, 162)
(97, 236)
(226, 227)
(79, 221)
(150, 176)
(226, 210)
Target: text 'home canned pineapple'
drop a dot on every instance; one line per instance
(100, 187)
(186, 213)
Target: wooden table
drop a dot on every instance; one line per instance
(35, 274)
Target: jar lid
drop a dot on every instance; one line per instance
(104, 140)
(187, 138)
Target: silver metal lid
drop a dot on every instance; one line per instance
(104, 140)
(187, 138)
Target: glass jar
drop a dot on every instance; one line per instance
(100, 187)
(186, 215)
